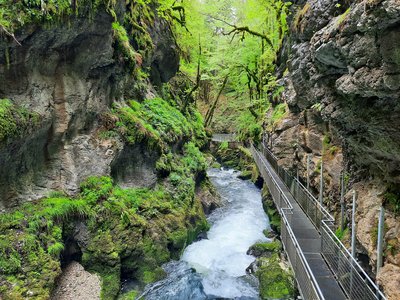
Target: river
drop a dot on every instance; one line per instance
(215, 267)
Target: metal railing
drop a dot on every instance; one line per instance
(306, 281)
(349, 274)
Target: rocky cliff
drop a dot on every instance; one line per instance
(69, 76)
(342, 88)
(99, 159)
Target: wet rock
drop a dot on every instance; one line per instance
(343, 94)
(391, 287)
(208, 196)
(182, 282)
(72, 88)
(265, 249)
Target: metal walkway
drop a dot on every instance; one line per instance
(323, 267)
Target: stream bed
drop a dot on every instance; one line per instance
(215, 267)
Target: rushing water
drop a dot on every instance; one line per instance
(216, 267)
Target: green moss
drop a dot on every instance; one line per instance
(16, 14)
(392, 201)
(245, 175)
(278, 114)
(55, 249)
(216, 165)
(130, 55)
(326, 141)
(110, 282)
(134, 229)
(270, 210)
(107, 134)
(158, 123)
(149, 275)
(193, 159)
(223, 146)
(341, 235)
(15, 121)
(374, 232)
(342, 17)
(266, 248)
(275, 283)
(131, 295)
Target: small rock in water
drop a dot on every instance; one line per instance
(252, 268)
(202, 236)
(182, 282)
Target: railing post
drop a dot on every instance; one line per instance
(342, 201)
(297, 183)
(308, 171)
(321, 183)
(353, 226)
(381, 233)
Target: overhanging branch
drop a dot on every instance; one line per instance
(242, 29)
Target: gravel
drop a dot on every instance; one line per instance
(77, 284)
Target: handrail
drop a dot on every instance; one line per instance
(323, 228)
(310, 195)
(284, 211)
(303, 260)
(289, 205)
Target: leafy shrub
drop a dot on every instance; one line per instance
(392, 201)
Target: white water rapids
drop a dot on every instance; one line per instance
(221, 260)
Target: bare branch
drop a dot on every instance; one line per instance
(9, 34)
(242, 29)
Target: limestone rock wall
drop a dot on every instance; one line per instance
(342, 88)
(70, 75)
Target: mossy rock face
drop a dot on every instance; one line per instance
(265, 249)
(133, 231)
(245, 175)
(275, 282)
(15, 121)
(271, 210)
(231, 155)
(131, 295)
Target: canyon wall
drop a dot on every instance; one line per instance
(340, 67)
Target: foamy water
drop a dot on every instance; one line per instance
(220, 261)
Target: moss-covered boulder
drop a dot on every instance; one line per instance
(275, 278)
(276, 282)
(265, 249)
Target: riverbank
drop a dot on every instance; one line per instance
(218, 265)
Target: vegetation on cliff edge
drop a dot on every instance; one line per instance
(129, 230)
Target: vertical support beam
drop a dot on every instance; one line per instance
(297, 183)
(321, 184)
(271, 141)
(263, 145)
(381, 233)
(353, 226)
(342, 208)
(308, 171)
(263, 140)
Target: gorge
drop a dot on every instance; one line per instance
(107, 109)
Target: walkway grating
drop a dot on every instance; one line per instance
(309, 240)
